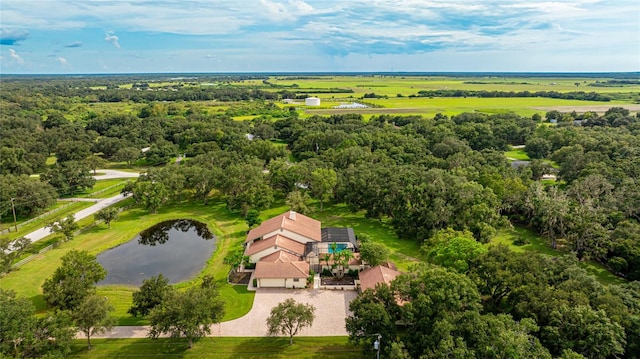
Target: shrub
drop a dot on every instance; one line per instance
(520, 241)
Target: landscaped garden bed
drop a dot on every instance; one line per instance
(346, 280)
(239, 278)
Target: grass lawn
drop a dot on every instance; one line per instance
(221, 347)
(228, 227)
(541, 245)
(102, 189)
(518, 154)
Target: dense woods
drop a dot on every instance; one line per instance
(423, 175)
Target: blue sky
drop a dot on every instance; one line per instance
(101, 36)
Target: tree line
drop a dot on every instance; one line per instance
(495, 303)
(571, 95)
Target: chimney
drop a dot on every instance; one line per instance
(292, 215)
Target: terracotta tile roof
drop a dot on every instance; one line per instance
(281, 270)
(281, 256)
(276, 241)
(292, 221)
(374, 275)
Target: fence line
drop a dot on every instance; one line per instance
(32, 257)
(20, 225)
(51, 246)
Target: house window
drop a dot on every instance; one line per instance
(296, 279)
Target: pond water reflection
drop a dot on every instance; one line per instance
(178, 249)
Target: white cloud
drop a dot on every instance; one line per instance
(110, 37)
(15, 57)
(63, 61)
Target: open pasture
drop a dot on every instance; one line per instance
(408, 85)
(524, 106)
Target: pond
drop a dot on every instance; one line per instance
(178, 249)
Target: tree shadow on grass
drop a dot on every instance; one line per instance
(266, 347)
(131, 348)
(39, 302)
(303, 347)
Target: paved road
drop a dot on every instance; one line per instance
(332, 307)
(112, 174)
(100, 203)
(43, 232)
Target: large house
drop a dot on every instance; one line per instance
(287, 246)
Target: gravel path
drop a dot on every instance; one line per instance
(332, 307)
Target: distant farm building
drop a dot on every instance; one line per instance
(351, 105)
(312, 101)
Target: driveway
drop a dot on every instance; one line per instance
(112, 174)
(332, 307)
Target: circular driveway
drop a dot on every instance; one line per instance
(332, 307)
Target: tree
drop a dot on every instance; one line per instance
(584, 330)
(151, 294)
(30, 196)
(74, 280)
(93, 317)
(341, 259)
(373, 312)
(188, 314)
(289, 317)
(151, 195)
(456, 253)
(22, 335)
(373, 253)
(94, 161)
(323, 181)
(10, 251)
(69, 177)
(14, 327)
(297, 201)
(127, 154)
(538, 148)
(236, 259)
(107, 215)
(253, 218)
(67, 227)
(246, 187)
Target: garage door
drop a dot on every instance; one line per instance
(271, 283)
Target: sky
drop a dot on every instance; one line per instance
(169, 36)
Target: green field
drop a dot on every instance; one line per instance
(394, 86)
(517, 154)
(538, 244)
(221, 348)
(407, 85)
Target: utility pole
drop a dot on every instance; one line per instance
(13, 209)
(376, 346)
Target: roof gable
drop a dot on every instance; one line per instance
(291, 221)
(277, 241)
(370, 277)
(281, 270)
(281, 256)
